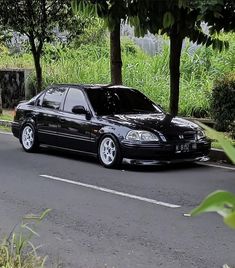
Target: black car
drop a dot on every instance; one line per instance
(115, 123)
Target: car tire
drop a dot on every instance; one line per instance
(28, 138)
(109, 152)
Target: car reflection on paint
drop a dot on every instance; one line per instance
(115, 123)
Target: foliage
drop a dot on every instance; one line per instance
(176, 18)
(225, 143)
(93, 32)
(223, 102)
(90, 64)
(17, 250)
(221, 202)
(37, 20)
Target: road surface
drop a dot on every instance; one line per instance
(133, 217)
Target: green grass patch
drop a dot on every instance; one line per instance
(7, 115)
(5, 129)
(90, 64)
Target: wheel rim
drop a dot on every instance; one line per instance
(107, 151)
(27, 137)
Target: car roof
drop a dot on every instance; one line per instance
(95, 86)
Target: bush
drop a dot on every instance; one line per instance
(223, 103)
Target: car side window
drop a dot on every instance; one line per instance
(74, 97)
(53, 98)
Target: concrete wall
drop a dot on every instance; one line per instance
(13, 86)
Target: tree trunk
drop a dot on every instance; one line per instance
(0, 101)
(37, 51)
(38, 69)
(176, 42)
(115, 56)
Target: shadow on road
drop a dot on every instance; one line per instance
(163, 168)
(124, 167)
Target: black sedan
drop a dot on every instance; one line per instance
(115, 123)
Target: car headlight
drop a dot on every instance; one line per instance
(200, 134)
(141, 135)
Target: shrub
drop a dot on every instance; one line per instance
(17, 251)
(223, 103)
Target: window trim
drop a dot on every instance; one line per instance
(85, 98)
(62, 100)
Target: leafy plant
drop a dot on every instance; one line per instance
(221, 202)
(223, 102)
(150, 74)
(17, 250)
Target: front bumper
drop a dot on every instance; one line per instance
(141, 162)
(157, 154)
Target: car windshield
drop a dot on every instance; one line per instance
(108, 101)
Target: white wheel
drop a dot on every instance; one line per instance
(28, 138)
(109, 152)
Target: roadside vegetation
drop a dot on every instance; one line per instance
(89, 63)
(17, 250)
(7, 115)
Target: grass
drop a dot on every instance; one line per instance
(8, 116)
(90, 64)
(5, 129)
(17, 250)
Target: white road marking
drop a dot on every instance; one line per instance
(6, 133)
(217, 166)
(112, 191)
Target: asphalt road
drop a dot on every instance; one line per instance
(133, 217)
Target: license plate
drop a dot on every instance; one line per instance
(182, 148)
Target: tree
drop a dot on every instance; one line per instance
(113, 12)
(179, 19)
(176, 18)
(36, 19)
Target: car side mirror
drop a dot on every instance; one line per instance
(79, 109)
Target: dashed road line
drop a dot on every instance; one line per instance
(152, 201)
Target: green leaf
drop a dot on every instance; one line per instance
(168, 20)
(225, 144)
(230, 220)
(221, 202)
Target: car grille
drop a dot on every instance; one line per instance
(188, 135)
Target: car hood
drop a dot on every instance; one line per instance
(160, 122)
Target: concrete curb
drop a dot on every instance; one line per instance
(218, 155)
(215, 155)
(5, 123)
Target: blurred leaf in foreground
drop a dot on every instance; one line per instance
(225, 144)
(221, 202)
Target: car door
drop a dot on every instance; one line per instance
(74, 129)
(47, 118)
